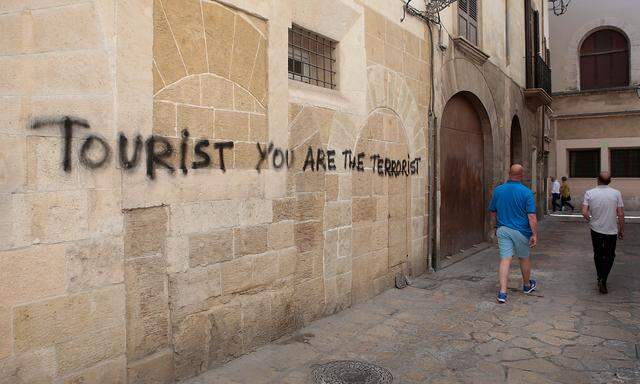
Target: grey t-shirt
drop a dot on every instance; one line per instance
(603, 202)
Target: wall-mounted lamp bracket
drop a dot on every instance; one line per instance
(431, 14)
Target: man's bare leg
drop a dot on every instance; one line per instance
(525, 268)
(503, 273)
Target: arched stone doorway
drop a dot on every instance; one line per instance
(515, 146)
(464, 173)
(381, 209)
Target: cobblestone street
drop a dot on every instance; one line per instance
(447, 327)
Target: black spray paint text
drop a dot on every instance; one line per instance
(159, 150)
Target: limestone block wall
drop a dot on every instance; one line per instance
(156, 218)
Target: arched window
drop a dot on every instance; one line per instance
(604, 60)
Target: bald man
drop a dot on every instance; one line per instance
(513, 210)
(603, 209)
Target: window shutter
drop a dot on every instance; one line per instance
(473, 9)
(468, 20)
(604, 60)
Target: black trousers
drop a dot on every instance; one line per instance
(564, 201)
(604, 252)
(554, 201)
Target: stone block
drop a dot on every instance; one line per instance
(361, 240)
(256, 321)
(37, 367)
(63, 318)
(331, 187)
(177, 254)
(185, 19)
(284, 209)
(374, 48)
(155, 369)
(94, 263)
(105, 213)
(198, 120)
(44, 167)
(393, 58)
(245, 47)
(256, 211)
(210, 248)
(287, 259)
(226, 333)
(186, 90)
(190, 290)
(147, 306)
(304, 264)
(362, 184)
(236, 275)
(265, 269)
(246, 156)
(250, 240)
(309, 206)
(308, 235)
(90, 349)
(219, 29)
(204, 216)
(364, 209)
(309, 182)
(6, 332)
(56, 216)
(412, 44)
(242, 100)
(165, 52)
(380, 235)
(309, 299)
(217, 92)
(362, 284)
(281, 235)
(112, 372)
(164, 119)
(374, 23)
(258, 85)
(191, 340)
(145, 230)
(330, 255)
(13, 162)
(337, 214)
(259, 128)
(282, 312)
(344, 242)
(32, 273)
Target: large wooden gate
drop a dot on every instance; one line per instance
(462, 209)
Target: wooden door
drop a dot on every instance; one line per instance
(462, 209)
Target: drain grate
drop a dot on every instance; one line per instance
(351, 372)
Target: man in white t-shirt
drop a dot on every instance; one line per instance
(603, 209)
(555, 193)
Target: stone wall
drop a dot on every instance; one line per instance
(133, 263)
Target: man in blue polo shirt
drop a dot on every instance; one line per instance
(513, 210)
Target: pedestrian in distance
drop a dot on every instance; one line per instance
(513, 213)
(565, 193)
(603, 209)
(555, 194)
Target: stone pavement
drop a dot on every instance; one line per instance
(447, 328)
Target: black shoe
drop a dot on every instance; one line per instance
(602, 287)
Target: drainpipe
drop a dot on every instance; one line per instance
(432, 183)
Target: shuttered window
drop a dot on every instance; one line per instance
(604, 60)
(468, 20)
(584, 162)
(625, 162)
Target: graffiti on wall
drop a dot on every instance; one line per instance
(158, 151)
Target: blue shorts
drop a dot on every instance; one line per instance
(512, 243)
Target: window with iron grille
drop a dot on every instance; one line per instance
(604, 60)
(584, 162)
(468, 20)
(311, 58)
(625, 162)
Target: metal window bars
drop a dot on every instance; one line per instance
(311, 58)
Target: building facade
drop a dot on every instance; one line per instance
(183, 181)
(595, 53)
(490, 107)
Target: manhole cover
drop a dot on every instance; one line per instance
(351, 372)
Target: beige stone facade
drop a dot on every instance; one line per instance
(600, 119)
(117, 270)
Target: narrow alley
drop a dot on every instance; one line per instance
(447, 327)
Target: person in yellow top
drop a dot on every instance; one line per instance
(565, 195)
